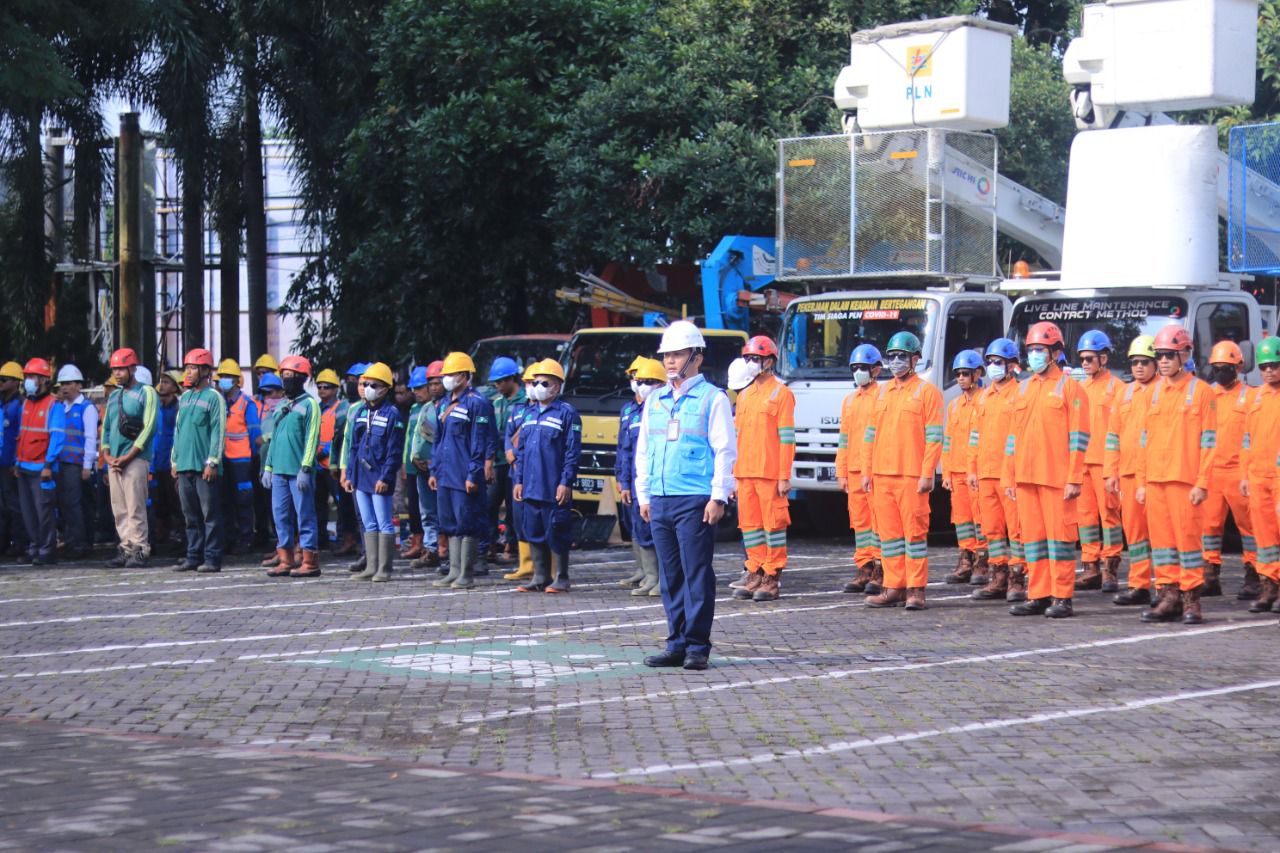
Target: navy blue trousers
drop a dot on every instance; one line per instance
(461, 514)
(685, 546)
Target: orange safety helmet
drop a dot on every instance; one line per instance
(124, 358)
(761, 346)
(1045, 333)
(296, 363)
(435, 369)
(1226, 352)
(1173, 337)
(200, 357)
(38, 367)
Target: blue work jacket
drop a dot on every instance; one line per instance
(624, 465)
(549, 449)
(377, 445)
(465, 436)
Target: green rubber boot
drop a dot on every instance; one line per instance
(466, 578)
(455, 563)
(370, 558)
(386, 553)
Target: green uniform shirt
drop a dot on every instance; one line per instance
(405, 463)
(502, 408)
(353, 414)
(140, 401)
(422, 432)
(198, 434)
(295, 436)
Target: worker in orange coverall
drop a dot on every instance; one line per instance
(855, 417)
(1120, 469)
(1101, 535)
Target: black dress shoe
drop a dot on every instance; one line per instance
(695, 661)
(207, 568)
(1031, 607)
(668, 659)
(186, 567)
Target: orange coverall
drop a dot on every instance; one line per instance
(997, 512)
(855, 417)
(1120, 460)
(958, 423)
(1048, 438)
(1101, 535)
(1176, 454)
(765, 418)
(1259, 450)
(1224, 484)
(902, 446)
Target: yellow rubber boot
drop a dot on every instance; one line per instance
(525, 569)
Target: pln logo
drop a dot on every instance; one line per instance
(920, 61)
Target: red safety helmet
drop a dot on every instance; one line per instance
(199, 357)
(1172, 337)
(761, 346)
(1046, 334)
(296, 363)
(124, 358)
(435, 369)
(38, 367)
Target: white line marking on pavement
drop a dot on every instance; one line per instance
(842, 674)
(117, 668)
(991, 725)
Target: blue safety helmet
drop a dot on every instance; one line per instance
(864, 354)
(1004, 348)
(503, 368)
(270, 380)
(357, 370)
(418, 378)
(1094, 341)
(967, 359)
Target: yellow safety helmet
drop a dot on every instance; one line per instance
(11, 370)
(530, 371)
(458, 362)
(231, 367)
(110, 383)
(380, 372)
(549, 367)
(1143, 345)
(177, 376)
(327, 377)
(267, 361)
(635, 364)
(652, 369)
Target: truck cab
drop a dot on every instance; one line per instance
(819, 331)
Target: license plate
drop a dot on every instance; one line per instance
(826, 474)
(588, 485)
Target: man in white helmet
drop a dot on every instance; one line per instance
(77, 460)
(684, 474)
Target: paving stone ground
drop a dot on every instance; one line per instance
(143, 709)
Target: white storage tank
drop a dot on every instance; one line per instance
(1142, 208)
(1163, 55)
(948, 73)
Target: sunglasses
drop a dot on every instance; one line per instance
(994, 361)
(755, 359)
(648, 382)
(856, 367)
(1088, 359)
(1270, 365)
(1141, 362)
(964, 374)
(1165, 355)
(541, 383)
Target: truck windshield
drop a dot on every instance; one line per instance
(525, 351)
(598, 362)
(1123, 318)
(818, 335)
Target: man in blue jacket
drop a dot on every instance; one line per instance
(12, 531)
(548, 452)
(646, 376)
(465, 438)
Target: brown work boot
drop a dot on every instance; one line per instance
(346, 546)
(767, 589)
(887, 598)
(875, 585)
(861, 579)
(310, 567)
(1111, 575)
(1266, 598)
(1168, 606)
(413, 548)
(748, 590)
(915, 598)
(1252, 586)
(283, 565)
(981, 569)
(1017, 585)
(1191, 606)
(996, 588)
(1091, 577)
(1212, 582)
(271, 559)
(964, 568)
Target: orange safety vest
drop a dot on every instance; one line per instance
(328, 422)
(237, 441)
(33, 438)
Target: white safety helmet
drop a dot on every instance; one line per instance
(142, 374)
(680, 335)
(739, 374)
(70, 373)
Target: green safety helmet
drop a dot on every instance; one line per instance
(903, 342)
(1268, 351)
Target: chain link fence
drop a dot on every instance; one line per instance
(1253, 217)
(912, 201)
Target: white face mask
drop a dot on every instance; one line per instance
(899, 365)
(541, 393)
(995, 371)
(642, 391)
(450, 383)
(753, 369)
(373, 394)
(862, 378)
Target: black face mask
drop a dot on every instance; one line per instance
(352, 389)
(1224, 374)
(293, 385)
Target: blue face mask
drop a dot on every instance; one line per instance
(995, 371)
(31, 386)
(1037, 360)
(226, 383)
